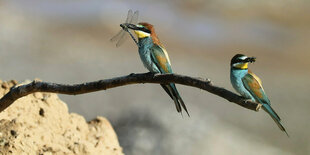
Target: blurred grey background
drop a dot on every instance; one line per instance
(67, 41)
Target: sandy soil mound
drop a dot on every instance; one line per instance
(40, 124)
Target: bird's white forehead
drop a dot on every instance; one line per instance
(243, 57)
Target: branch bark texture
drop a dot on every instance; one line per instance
(76, 89)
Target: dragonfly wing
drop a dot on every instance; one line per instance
(129, 16)
(134, 19)
(121, 36)
(120, 33)
(122, 39)
(117, 36)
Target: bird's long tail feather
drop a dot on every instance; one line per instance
(174, 94)
(169, 92)
(274, 116)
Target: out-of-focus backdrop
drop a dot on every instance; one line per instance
(68, 42)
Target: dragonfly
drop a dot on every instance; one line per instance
(120, 37)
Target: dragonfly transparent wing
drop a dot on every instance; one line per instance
(121, 36)
(117, 36)
(129, 16)
(122, 39)
(134, 19)
(121, 33)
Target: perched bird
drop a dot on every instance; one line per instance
(250, 86)
(155, 58)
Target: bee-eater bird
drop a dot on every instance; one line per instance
(155, 58)
(250, 86)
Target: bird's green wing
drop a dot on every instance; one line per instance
(161, 59)
(252, 83)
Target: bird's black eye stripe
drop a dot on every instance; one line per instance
(144, 29)
(239, 60)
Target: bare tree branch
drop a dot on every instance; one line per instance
(37, 86)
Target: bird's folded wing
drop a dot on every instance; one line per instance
(252, 83)
(159, 57)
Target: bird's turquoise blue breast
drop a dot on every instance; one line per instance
(145, 45)
(236, 76)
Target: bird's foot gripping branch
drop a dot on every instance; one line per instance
(75, 89)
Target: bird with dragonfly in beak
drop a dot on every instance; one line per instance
(154, 57)
(250, 86)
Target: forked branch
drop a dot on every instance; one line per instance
(37, 86)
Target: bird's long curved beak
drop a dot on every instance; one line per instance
(129, 26)
(250, 59)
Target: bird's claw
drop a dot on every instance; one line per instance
(156, 74)
(152, 74)
(259, 106)
(247, 100)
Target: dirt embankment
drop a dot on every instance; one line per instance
(40, 124)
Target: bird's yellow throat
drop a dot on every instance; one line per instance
(242, 66)
(141, 34)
